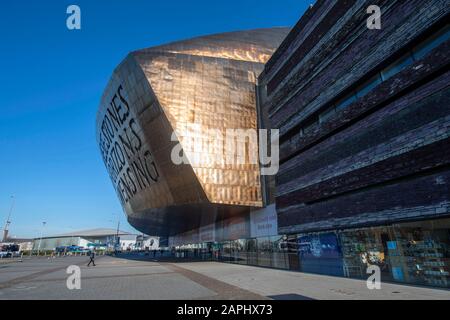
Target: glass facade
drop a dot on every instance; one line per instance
(416, 252)
(413, 252)
(320, 253)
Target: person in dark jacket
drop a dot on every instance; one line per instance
(92, 258)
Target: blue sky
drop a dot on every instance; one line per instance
(51, 81)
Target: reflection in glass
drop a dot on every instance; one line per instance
(279, 252)
(252, 252)
(264, 252)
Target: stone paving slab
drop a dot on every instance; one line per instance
(224, 290)
(154, 287)
(31, 268)
(112, 278)
(278, 283)
(128, 277)
(100, 271)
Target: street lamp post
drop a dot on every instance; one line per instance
(116, 236)
(40, 239)
(8, 221)
(117, 233)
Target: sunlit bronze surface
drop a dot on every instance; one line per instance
(208, 82)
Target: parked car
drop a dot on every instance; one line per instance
(9, 250)
(5, 254)
(61, 249)
(71, 249)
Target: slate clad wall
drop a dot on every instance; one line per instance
(386, 157)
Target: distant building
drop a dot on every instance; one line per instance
(206, 81)
(144, 242)
(84, 238)
(128, 242)
(26, 246)
(23, 243)
(363, 116)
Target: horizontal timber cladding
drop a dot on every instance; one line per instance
(382, 158)
(384, 132)
(428, 157)
(333, 68)
(383, 95)
(410, 198)
(334, 14)
(301, 29)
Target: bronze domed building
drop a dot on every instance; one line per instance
(183, 87)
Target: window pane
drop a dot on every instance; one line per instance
(364, 247)
(279, 252)
(240, 251)
(421, 253)
(292, 252)
(320, 253)
(344, 102)
(432, 42)
(326, 114)
(309, 127)
(397, 66)
(264, 252)
(226, 251)
(252, 253)
(368, 86)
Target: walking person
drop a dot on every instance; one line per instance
(92, 258)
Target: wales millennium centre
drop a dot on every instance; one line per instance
(362, 122)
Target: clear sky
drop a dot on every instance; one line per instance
(51, 81)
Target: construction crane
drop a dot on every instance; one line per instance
(8, 221)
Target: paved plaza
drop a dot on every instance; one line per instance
(141, 277)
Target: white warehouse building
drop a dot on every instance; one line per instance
(101, 237)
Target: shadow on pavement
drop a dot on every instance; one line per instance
(289, 296)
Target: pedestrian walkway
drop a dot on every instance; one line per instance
(291, 285)
(142, 277)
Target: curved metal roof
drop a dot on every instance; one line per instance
(98, 232)
(204, 84)
(255, 45)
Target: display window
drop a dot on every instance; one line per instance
(240, 252)
(413, 252)
(362, 248)
(421, 252)
(252, 251)
(279, 252)
(320, 253)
